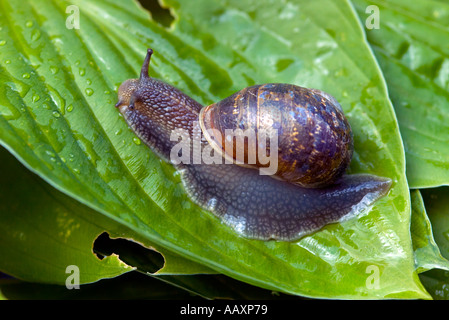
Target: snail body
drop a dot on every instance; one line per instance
(312, 148)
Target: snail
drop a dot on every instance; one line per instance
(303, 131)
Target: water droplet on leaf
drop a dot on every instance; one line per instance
(50, 153)
(35, 35)
(136, 140)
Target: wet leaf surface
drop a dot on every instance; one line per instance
(57, 117)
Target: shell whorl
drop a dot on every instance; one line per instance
(314, 145)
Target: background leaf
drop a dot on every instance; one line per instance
(427, 252)
(40, 231)
(130, 286)
(437, 206)
(410, 46)
(57, 117)
(43, 231)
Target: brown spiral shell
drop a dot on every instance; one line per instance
(314, 145)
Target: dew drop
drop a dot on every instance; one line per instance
(57, 99)
(88, 81)
(50, 153)
(56, 114)
(2, 42)
(82, 72)
(35, 35)
(36, 98)
(69, 108)
(136, 140)
(119, 131)
(89, 91)
(29, 24)
(7, 61)
(54, 70)
(26, 75)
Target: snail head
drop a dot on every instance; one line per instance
(154, 109)
(126, 96)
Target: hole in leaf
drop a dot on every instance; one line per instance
(130, 252)
(160, 15)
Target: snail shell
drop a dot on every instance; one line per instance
(256, 205)
(314, 139)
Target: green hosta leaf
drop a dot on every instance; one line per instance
(437, 207)
(411, 46)
(135, 285)
(130, 286)
(57, 117)
(427, 253)
(43, 232)
(40, 231)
